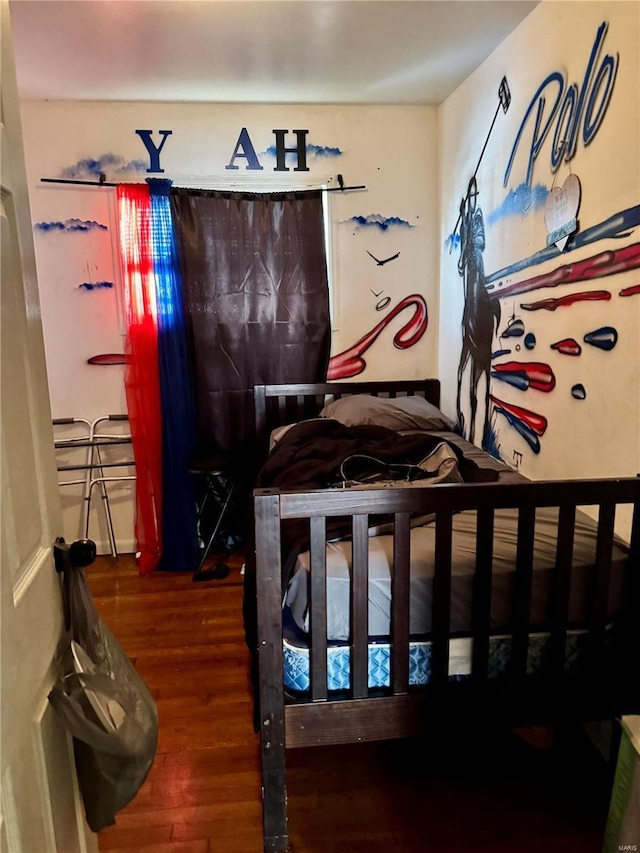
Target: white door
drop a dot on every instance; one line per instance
(40, 809)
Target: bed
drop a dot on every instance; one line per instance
(401, 578)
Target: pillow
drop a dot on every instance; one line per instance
(399, 413)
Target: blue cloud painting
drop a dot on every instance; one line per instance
(111, 165)
(376, 220)
(312, 151)
(94, 285)
(70, 226)
(520, 202)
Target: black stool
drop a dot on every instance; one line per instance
(219, 486)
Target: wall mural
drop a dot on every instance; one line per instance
(574, 108)
(539, 376)
(480, 317)
(350, 362)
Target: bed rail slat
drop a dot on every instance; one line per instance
(635, 536)
(606, 522)
(318, 593)
(360, 608)
(561, 589)
(312, 405)
(630, 636)
(400, 603)
(522, 592)
(481, 612)
(441, 612)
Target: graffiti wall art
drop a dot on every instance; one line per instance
(480, 317)
(351, 361)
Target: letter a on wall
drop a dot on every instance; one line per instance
(244, 148)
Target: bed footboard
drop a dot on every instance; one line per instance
(362, 712)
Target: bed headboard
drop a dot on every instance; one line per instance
(277, 405)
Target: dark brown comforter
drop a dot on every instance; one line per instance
(310, 454)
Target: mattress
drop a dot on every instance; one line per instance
(462, 574)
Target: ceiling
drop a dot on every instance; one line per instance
(255, 51)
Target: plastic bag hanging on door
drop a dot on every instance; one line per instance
(103, 703)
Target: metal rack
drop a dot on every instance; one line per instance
(93, 439)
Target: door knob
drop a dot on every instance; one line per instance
(81, 553)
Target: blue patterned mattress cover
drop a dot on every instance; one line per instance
(295, 653)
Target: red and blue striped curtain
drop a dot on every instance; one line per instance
(158, 388)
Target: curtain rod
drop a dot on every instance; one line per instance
(101, 182)
(341, 189)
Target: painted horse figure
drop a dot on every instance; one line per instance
(481, 315)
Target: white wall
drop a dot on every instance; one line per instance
(598, 435)
(391, 150)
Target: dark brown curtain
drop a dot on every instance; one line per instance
(256, 302)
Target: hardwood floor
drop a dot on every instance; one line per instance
(490, 792)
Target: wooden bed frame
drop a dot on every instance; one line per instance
(364, 714)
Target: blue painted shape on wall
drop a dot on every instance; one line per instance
(108, 164)
(518, 380)
(520, 202)
(452, 243)
(524, 429)
(71, 226)
(515, 329)
(95, 285)
(604, 338)
(578, 391)
(375, 220)
(312, 151)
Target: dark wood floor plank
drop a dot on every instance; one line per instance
(199, 846)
